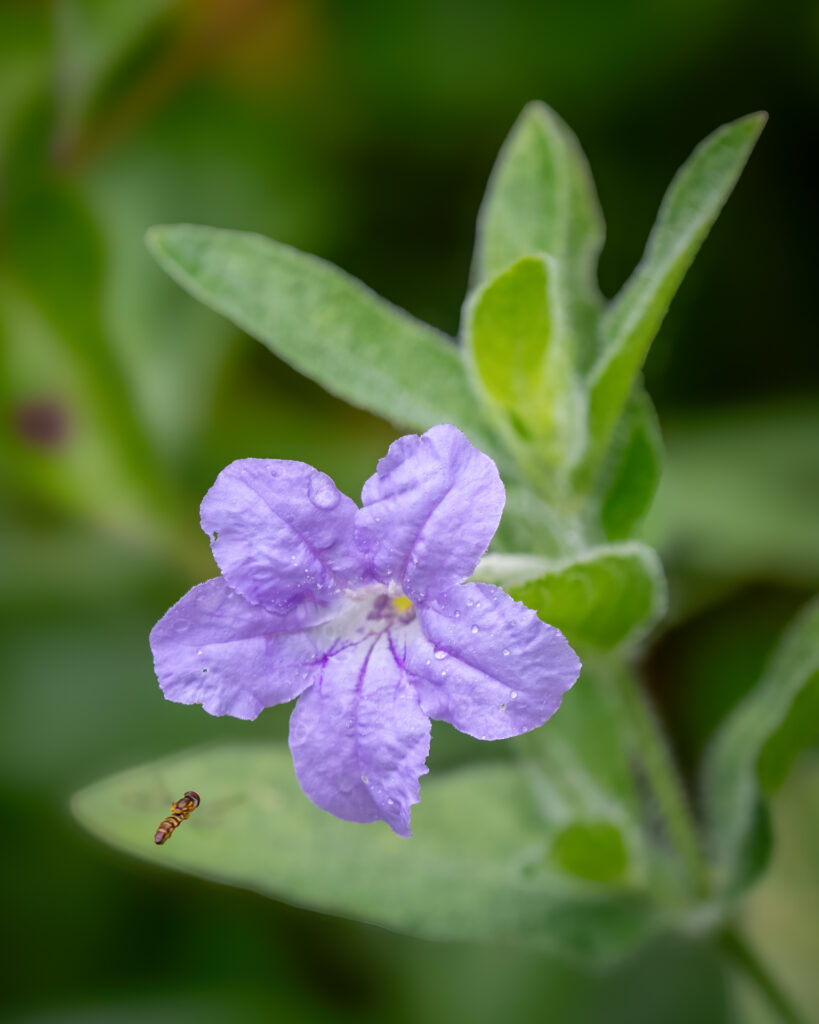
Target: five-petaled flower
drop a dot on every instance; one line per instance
(362, 613)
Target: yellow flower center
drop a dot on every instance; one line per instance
(402, 603)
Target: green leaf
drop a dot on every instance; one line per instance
(603, 597)
(592, 767)
(541, 199)
(476, 868)
(733, 764)
(592, 850)
(632, 468)
(326, 324)
(529, 524)
(518, 349)
(580, 770)
(799, 730)
(54, 347)
(689, 208)
(92, 39)
(25, 69)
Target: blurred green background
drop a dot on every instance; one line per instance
(363, 132)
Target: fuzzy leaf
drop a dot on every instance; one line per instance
(732, 770)
(517, 344)
(529, 524)
(607, 595)
(541, 199)
(631, 470)
(689, 208)
(476, 868)
(326, 324)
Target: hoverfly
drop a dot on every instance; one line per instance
(180, 810)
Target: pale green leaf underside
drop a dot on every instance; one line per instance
(689, 209)
(541, 198)
(731, 782)
(516, 343)
(607, 595)
(511, 328)
(476, 868)
(326, 324)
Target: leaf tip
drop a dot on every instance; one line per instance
(153, 238)
(755, 122)
(748, 127)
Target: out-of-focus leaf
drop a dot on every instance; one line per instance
(24, 66)
(732, 769)
(517, 344)
(602, 597)
(324, 323)
(92, 37)
(171, 350)
(799, 730)
(631, 469)
(587, 769)
(581, 763)
(541, 198)
(689, 208)
(739, 495)
(592, 850)
(781, 915)
(95, 460)
(475, 869)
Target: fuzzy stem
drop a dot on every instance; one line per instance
(747, 964)
(664, 778)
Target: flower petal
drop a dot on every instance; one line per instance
(281, 531)
(359, 738)
(487, 664)
(429, 511)
(215, 649)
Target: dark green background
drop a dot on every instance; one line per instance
(363, 132)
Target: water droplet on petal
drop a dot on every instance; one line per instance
(364, 779)
(440, 654)
(474, 629)
(514, 694)
(506, 652)
(322, 492)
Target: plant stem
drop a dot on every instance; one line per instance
(663, 777)
(747, 964)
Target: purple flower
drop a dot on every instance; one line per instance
(363, 614)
